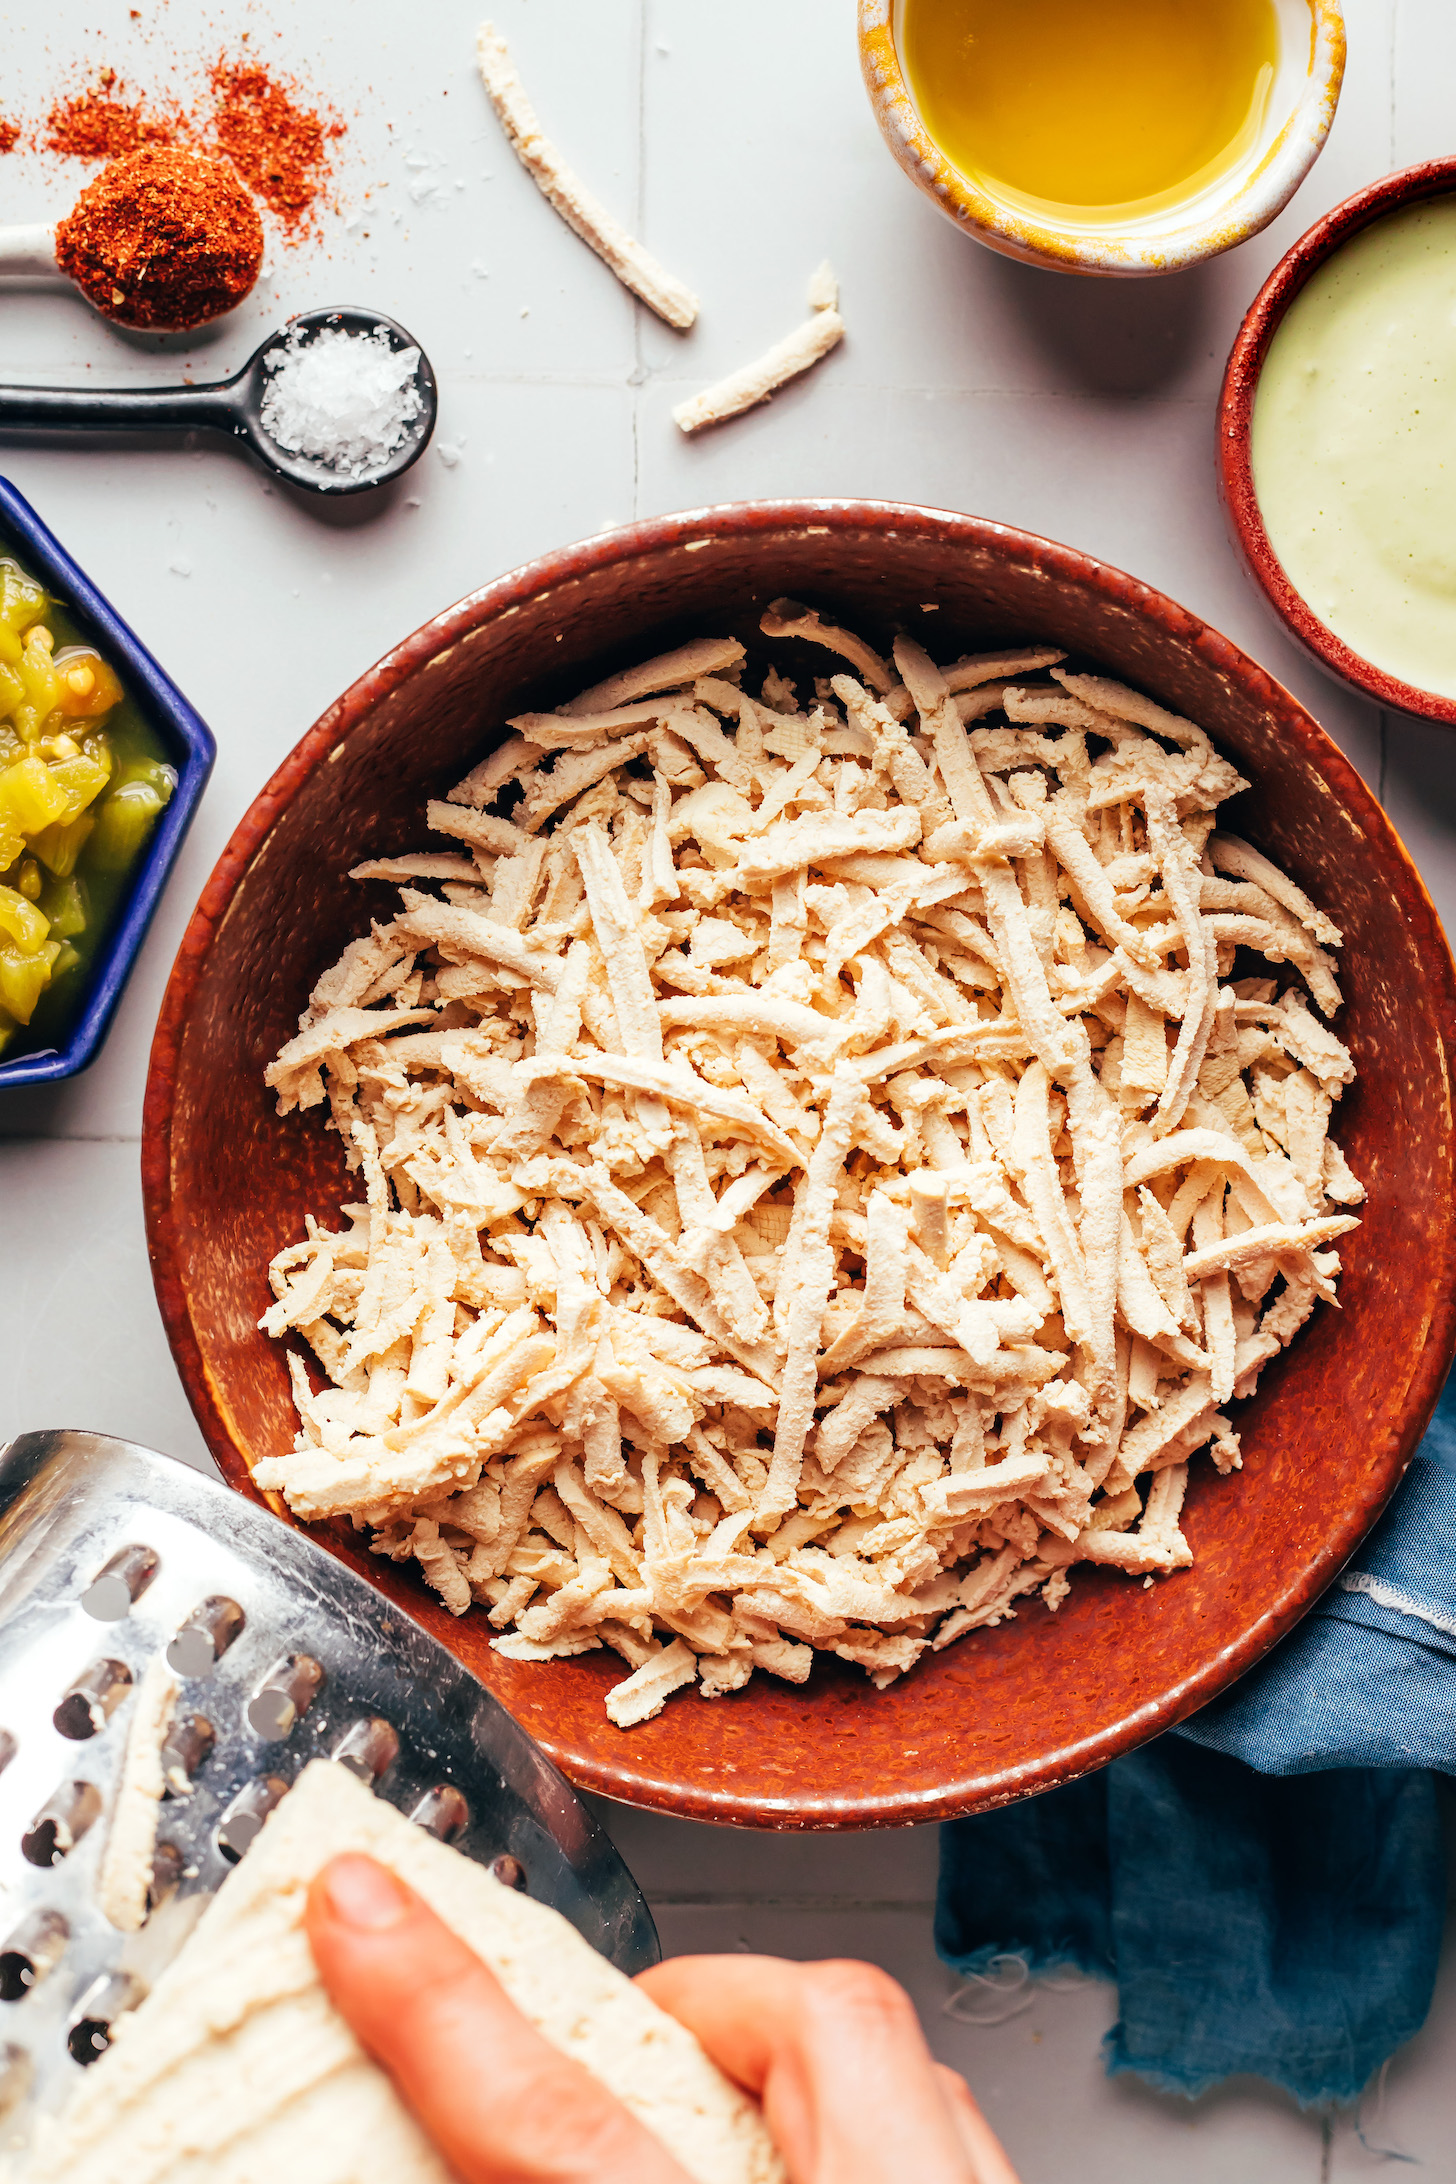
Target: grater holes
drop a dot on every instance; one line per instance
(239, 1826)
(187, 1746)
(35, 1948)
(284, 1696)
(16, 2074)
(60, 1824)
(106, 1999)
(167, 1869)
(116, 1588)
(92, 1700)
(442, 1812)
(368, 1749)
(509, 1871)
(205, 1637)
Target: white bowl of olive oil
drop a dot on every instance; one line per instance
(1105, 136)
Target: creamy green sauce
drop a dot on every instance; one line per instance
(1354, 444)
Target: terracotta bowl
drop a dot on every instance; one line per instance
(1412, 185)
(1047, 1697)
(1236, 206)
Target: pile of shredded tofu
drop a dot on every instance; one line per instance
(823, 1178)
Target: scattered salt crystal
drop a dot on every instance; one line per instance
(179, 565)
(449, 452)
(342, 398)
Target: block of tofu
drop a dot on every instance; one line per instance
(237, 2069)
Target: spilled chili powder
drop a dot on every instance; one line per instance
(163, 238)
(279, 147)
(9, 135)
(262, 124)
(97, 124)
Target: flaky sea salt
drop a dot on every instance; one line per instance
(344, 399)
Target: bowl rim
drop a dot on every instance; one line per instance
(188, 739)
(1238, 394)
(628, 1778)
(1257, 199)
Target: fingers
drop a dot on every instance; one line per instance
(501, 2104)
(988, 2163)
(835, 2052)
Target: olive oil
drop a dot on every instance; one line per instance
(1102, 111)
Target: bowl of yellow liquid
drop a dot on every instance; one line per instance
(1105, 136)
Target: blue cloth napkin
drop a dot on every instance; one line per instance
(1267, 1884)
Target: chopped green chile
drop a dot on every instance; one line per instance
(83, 781)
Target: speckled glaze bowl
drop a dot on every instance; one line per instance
(1301, 108)
(1265, 315)
(1044, 1698)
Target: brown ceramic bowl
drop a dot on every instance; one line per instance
(1435, 178)
(1044, 1698)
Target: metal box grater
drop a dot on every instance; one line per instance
(110, 1553)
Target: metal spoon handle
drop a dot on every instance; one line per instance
(123, 409)
(30, 248)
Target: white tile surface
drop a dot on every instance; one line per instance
(83, 1343)
(740, 146)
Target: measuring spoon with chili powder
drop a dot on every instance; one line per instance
(163, 240)
(247, 406)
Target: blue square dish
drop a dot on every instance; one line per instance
(189, 746)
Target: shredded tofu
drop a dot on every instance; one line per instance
(822, 331)
(821, 1177)
(634, 267)
(125, 1877)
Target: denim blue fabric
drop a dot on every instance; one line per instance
(1369, 1678)
(1266, 1884)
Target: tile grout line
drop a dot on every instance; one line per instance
(64, 1137)
(639, 371)
(670, 1901)
(946, 390)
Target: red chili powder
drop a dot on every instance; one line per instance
(96, 124)
(279, 147)
(163, 238)
(9, 135)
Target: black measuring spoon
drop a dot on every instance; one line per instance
(234, 406)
